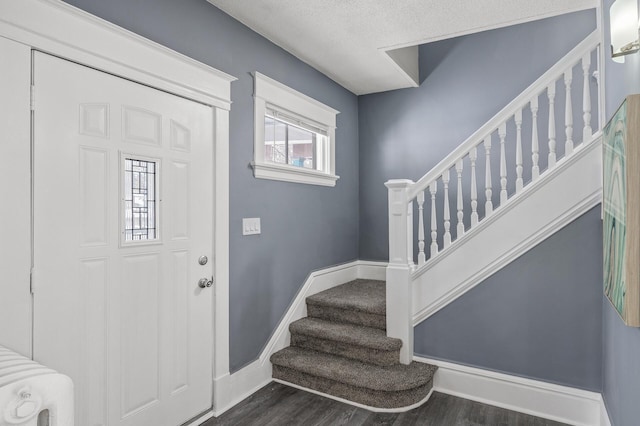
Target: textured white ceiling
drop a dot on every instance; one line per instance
(348, 40)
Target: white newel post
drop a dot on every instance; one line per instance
(399, 304)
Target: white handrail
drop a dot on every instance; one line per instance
(537, 87)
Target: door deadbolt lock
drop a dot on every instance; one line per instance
(202, 260)
(205, 282)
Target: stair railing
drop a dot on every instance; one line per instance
(403, 261)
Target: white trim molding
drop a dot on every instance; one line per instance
(604, 414)
(78, 36)
(241, 384)
(270, 94)
(550, 401)
(553, 201)
(357, 404)
(200, 419)
(15, 185)
(294, 174)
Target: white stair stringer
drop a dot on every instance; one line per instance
(554, 200)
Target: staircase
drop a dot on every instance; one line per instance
(341, 349)
(525, 173)
(510, 185)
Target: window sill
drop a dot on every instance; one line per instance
(293, 174)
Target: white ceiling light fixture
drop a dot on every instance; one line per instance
(625, 34)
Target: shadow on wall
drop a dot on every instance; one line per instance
(429, 62)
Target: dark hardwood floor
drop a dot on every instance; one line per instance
(277, 404)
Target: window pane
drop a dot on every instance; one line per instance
(275, 134)
(301, 147)
(139, 200)
(286, 143)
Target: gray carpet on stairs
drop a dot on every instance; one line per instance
(360, 302)
(359, 295)
(348, 333)
(348, 340)
(372, 398)
(391, 378)
(342, 349)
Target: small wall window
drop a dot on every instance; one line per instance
(294, 135)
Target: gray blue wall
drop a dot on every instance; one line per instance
(465, 81)
(538, 317)
(304, 227)
(621, 363)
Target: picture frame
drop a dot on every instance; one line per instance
(621, 210)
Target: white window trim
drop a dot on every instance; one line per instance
(269, 93)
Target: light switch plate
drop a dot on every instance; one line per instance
(250, 225)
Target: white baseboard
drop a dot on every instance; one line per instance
(356, 404)
(233, 388)
(554, 402)
(604, 414)
(369, 270)
(200, 420)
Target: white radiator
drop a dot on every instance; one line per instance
(32, 394)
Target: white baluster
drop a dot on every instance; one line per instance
(488, 205)
(502, 132)
(551, 93)
(421, 255)
(473, 156)
(535, 169)
(587, 132)
(447, 215)
(433, 188)
(568, 113)
(460, 205)
(518, 119)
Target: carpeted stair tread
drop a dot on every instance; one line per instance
(372, 338)
(394, 378)
(370, 397)
(359, 295)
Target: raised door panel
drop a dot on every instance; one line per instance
(94, 196)
(178, 331)
(141, 126)
(94, 273)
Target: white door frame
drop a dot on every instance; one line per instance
(73, 34)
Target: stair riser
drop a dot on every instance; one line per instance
(370, 397)
(347, 316)
(359, 353)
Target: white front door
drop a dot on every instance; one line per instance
(123, 212)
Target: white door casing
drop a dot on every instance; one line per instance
(15, 188)
(128, 322)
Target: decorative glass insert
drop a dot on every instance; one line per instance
(139, 200)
